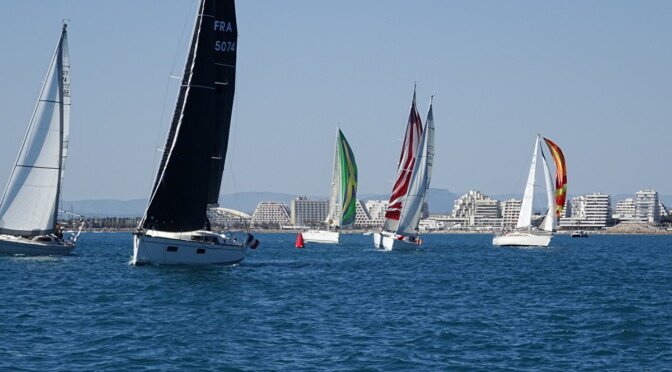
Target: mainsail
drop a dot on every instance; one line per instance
(29, 205)
(190, 173)
(421, 176)
(525, 215)
(343, 203)
(404, 169)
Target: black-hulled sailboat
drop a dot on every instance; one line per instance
(29, 205)
(175, 228)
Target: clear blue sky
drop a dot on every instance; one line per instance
(594, 76)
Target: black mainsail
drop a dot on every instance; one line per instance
(190, 173)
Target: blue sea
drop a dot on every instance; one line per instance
(598, 304)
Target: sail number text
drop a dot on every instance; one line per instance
(224, 46)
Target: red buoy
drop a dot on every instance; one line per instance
(299, 241)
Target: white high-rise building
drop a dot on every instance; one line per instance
(588, 211)
(626, 209)
(271, 214)
(647, 206)
(478, 209)
(305, 212)
(598, 209)
(363, 217)
(510, 212)
(377, 209)
(228, 218)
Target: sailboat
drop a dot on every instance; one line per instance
(525, 234)
(29, 205)
(175, 228)
(343, 201)
(414, 172)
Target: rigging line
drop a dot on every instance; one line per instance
(179, 50)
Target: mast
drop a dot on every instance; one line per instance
(190, 173)
(63, 67)
(29, 205)
(404, 168)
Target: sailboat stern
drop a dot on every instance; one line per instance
(189, 248)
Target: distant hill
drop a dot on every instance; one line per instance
(440, 202)
(106, 207)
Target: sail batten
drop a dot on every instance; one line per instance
(190, 174)
(29, 204)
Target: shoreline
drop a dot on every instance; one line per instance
(648, 231)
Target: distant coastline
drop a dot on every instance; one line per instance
(633, 229)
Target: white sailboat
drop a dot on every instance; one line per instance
(414, 173)
(29, 206)
(343, 200)
(525, 234)
(175, 228)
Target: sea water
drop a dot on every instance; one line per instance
(459, 304)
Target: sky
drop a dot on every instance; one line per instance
(593, 76)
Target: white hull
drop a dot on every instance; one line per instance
(320, 236)
(38, 246)
(523, 239)
(392, 242)
(190, 248)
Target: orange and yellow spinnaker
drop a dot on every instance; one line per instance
(560, 176)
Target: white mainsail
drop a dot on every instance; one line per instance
(29, 204)
(525, 215)
(420, 179)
